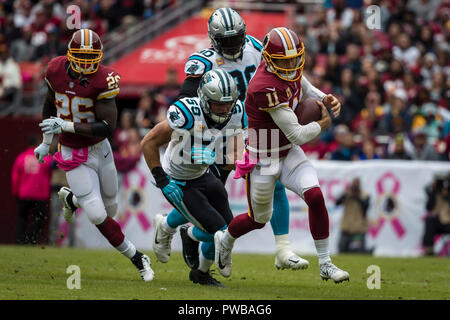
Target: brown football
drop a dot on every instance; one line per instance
(308, 111)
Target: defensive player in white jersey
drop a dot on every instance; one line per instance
(239, 54)
(80, 108)
(194, 128)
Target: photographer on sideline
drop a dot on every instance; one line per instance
(354, 223)
(438, 206)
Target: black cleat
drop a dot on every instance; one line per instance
(190, 248)
(203, 278)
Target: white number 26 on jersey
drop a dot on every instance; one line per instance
(77, 109)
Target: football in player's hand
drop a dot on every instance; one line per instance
(308, 111)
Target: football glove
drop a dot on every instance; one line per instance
(203, 155)
(56, 126)
(169, 187)
(41, 151)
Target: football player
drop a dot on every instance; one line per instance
(273, 94)
(239, 54)
(203, 123)
(80, 107)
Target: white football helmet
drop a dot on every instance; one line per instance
(217, 86)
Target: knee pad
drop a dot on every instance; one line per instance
(94, 208)
(261, 203)
(208, 250)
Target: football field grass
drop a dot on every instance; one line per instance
(40, 273)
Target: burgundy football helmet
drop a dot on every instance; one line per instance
(284, 53)
(85, 51)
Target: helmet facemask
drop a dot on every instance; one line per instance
(288, 67)
(230, 47)
(84, 61)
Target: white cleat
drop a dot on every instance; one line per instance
(68, 211)
(223, 255)
(162, 240)
(329, 271)
(289, 260)
(142, 263)
(147, 274)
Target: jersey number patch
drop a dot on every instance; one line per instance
(78, 108)
(113, 82)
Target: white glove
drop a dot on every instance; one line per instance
(56, 126)
(41, 152)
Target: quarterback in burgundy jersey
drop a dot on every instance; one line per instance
(80, 108)
(273, 93)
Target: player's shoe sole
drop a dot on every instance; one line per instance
(68, 212)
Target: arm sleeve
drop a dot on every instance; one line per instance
(286, 120)
(309, 91)
(189, 87)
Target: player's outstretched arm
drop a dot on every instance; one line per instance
(158, 136)
(48, 110)
(330, 101)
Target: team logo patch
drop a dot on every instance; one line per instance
(193, 68)
(288, 92)
(174, 116)
(219, 61)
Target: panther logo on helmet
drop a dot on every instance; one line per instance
(284, 53)
(85, 51)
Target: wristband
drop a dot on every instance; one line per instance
(68, 126)
(160, 176)
(47, 138)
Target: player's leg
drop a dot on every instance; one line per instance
(285, 258)
(164, 230)
(301, 177)
(260, 188)
(201, 274)
(84, 183)
(109, 188)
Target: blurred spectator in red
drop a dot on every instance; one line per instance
(129, 153)
(150, 111)
(346, 150)
(10, 82)
(171, 88)
(30, 185)
(316, 149)
(126, 122)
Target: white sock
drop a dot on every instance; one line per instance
(166, 227)
(191, 234)
(323, 251)
(228, 240)
(282, 243)
(127, 248)
(204, 264)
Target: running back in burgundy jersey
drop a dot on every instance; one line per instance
(75, 102)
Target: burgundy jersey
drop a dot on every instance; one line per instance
(76, 103)
(266, 91)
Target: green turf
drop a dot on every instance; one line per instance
(40, 273)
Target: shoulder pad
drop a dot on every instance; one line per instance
(179, 116)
